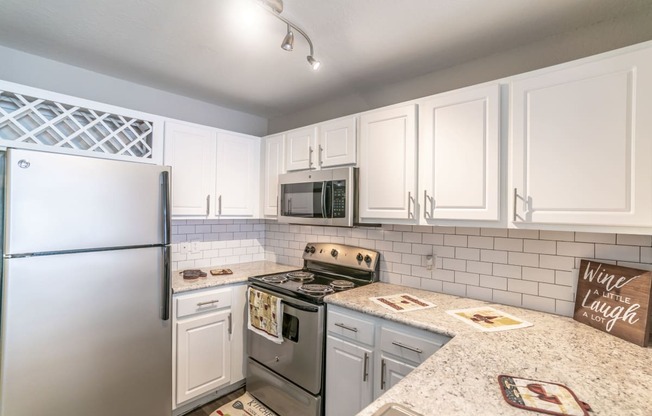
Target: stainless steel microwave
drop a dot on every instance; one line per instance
(318, 197)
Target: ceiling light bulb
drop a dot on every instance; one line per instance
(315, 64)
(288, 41)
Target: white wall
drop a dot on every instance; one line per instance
(591, 40)
(38, 72)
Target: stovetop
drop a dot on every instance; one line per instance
(292, 288)
(346, 266)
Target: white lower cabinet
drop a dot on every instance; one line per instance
(208, 341)
(366, 356)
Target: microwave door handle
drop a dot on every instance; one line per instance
(324, 212)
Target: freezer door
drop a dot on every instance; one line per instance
(82, 335)
(59, 202)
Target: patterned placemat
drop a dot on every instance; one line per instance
(541, 396)
(245, 405)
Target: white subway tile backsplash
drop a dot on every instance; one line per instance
(529, 268)
(614, 252)
(523, 286)
(634, 240)
(538, 275)
(481, 242)
(467, 253)
(455, 240)
(585, 250)
(506, 270)
(540, 246)
(523, 259)
(509, 244)
(557, 235)
(532, 234)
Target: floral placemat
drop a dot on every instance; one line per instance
(402, 302)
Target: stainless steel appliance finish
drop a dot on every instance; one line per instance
(85, 288)
(323, 197)
(289, 377)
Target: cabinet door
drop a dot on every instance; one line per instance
(388, 164)
(203, 354)
(273, 167)
(238, 327)
(299, 149)
(238, 170)
(349, 377)
(190, 150)
(459, 155)
(582, 142)
(391, 372)
(337, 142)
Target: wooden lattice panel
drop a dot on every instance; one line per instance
(25, 119)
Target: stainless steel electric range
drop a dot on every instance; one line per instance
(289, 377)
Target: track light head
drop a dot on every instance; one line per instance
(288, 40)
(315, 64)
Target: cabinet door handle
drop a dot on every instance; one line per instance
(310, 152)
(382, 374)
(365, 369)
(426, 214)
(210, 302)
(230, 325)
(208, 205)
(407, 347)
(321, 162)
(219, 205)
(410, 199)
(514, 207)
(348, 328)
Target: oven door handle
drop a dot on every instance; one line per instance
(301, 307)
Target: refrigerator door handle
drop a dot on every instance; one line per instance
(165, 205)
(167, 277)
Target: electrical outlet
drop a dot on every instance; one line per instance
(194, 247)
(430, 260)
(184, 248)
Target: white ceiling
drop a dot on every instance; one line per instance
(214, 51)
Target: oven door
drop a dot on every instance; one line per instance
(299, 358)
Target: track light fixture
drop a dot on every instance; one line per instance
(275, 7)
(288, 41)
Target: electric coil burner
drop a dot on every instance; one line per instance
(289, 377)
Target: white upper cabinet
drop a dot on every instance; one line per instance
(388, 164)
(299, 148)
(238, 174)
(459, 155)
(323, 145)
(190, 150)
(337, 142)
(273, 156)
(582, 143)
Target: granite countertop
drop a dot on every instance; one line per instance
(241, 273)
(612, 375)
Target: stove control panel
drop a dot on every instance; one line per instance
(340, 254)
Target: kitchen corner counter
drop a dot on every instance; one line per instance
(241, 273)
(612, 375)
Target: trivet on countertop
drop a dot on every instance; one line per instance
(541, 396)
(192, 274)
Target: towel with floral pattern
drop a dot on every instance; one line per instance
(265, 315)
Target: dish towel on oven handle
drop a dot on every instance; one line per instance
(265, 315)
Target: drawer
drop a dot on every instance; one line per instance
(410, 344)
(205, 301)
(350, 327)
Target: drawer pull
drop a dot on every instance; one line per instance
(365, 369)
(407, 347)
(348, 328)
(210, 302)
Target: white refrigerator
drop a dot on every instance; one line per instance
(85, 326)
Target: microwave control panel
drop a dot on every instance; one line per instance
(339, 199)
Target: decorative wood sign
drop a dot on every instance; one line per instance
(615, 300)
